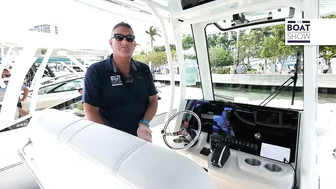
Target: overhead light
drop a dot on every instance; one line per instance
(291, 12)
(270, 16)
(238, 19)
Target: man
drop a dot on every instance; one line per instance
(79, 110)
(80, 91)
(6, 74)
(120, 92)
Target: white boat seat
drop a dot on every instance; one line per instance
(71, 152)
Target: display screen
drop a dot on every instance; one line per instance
(219, 118)
(222, 122)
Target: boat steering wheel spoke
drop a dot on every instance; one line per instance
(187, 136)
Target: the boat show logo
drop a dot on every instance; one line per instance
(298, 32)
(116, 80)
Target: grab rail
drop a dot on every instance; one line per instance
(24, 159)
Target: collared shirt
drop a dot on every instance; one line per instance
(122, 101)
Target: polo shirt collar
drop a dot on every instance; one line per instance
(110, 64)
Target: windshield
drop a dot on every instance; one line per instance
(254, 66)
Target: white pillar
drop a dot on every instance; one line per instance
(182, 67)
(203, 60)
(308, 178)
(169, 59)
(37, 80)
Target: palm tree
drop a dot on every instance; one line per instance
(224, 42)
(152, 32)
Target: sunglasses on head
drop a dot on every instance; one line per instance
(120, 37)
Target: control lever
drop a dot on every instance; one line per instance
(220, 155)
(215, 139)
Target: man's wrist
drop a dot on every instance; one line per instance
(145, 122)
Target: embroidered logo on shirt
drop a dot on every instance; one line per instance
(116, 80)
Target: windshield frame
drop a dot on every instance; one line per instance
(249, 26)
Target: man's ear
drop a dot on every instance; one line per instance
(110, 42)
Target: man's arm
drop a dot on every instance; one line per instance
(153, 99)
(143, 131)
(25, 93)
(92, 113)
(92, 96)
(152, 107)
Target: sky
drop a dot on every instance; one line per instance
(73, 19)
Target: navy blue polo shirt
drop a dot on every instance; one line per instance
(122, 103)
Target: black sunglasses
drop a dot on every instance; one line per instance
(120, 37)
(128, 79)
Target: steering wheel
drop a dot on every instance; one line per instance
(188, 136)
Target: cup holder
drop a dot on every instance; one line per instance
(252, 161)
(273, 167)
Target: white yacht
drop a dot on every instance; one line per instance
(55, 87)
(56, 92)
(209, 142)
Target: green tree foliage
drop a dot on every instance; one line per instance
(328, 52)
(188, 42)
(249, 46)
(224, 42)
(142, 57)
(219, 49)
(157, 58)
(221, 40)
(172, 47)
(160, 48)
(267, 43)
(274, 47)
(163, 48)
(152, 32)
(219, 57)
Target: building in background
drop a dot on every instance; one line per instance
(45, 28)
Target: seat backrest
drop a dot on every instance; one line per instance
(71, 152)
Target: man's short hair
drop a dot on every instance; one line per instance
(122, 24)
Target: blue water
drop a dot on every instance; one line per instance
(55, 59)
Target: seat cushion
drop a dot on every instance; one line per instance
(135, 162)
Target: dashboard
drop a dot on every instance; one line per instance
(248, 128)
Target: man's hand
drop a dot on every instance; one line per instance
(144, 132)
